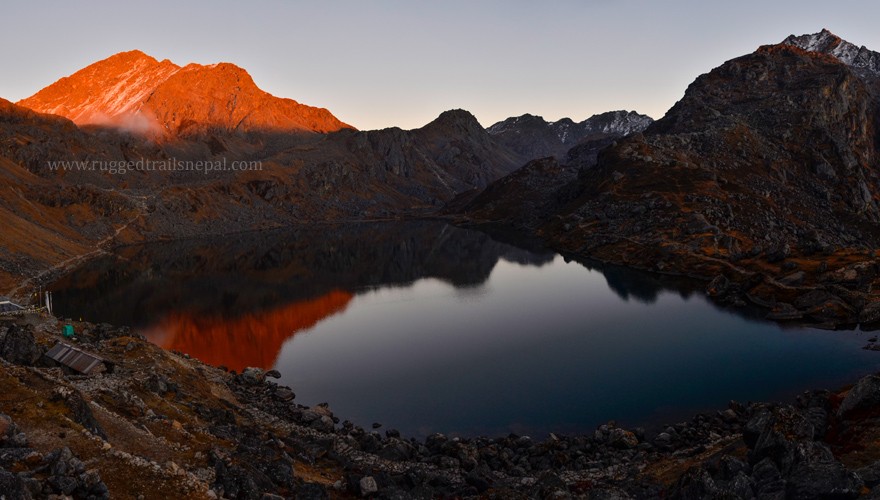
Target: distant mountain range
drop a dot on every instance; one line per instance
(534, 137)
(313, 167)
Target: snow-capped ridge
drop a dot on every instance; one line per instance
(826, 42)
(534, 137)
(570, 132)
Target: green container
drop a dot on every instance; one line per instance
(67, 331)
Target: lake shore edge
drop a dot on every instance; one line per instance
(185, 426)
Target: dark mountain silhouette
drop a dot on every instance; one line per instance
(763, 177)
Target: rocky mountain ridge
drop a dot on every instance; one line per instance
(137, 93)
(763, 178)
(826, 42)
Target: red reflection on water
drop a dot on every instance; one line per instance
(253, 339)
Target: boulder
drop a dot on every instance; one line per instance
(62, 462)
(397, 449)
(68, 476)
(718, 286)
(7, 428)
(309, 416)
(253, 376)
(477, 481)
(368, 486)
(615, 436)
(695, 484)
(20, 347)
(323, 424)
(794, 279)
(870, 474)
(663, 439)
(870, 313)
(284, 394)
(620, 438)
(775, 434)
(768, 481)
(865, 394)
(80, 410)
(549, 485)
(234, 482)
(820, 305)
(13, 486)
(816, 474)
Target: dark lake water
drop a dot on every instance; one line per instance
(430, 328)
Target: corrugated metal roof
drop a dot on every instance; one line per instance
(76, 359)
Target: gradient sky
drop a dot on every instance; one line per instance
(385, 63)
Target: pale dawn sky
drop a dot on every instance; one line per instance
(384, 63)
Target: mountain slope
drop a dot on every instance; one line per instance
(524, 197)
(765, 177)
(137, 93)
(112, 87)
(393, 172)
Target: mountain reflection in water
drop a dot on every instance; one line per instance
(252, 339)
(234, 301)
(431, 328)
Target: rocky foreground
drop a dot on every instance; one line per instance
(158, 424)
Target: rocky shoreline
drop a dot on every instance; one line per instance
(832, 291)
(838, 296)
(178, 427)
